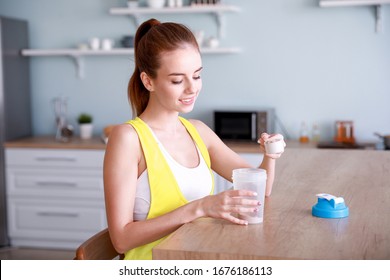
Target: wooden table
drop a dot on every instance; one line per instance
(289, 230)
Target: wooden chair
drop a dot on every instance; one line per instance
(98, 247)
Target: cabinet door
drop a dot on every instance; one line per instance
(53, 223)
(60, 182)
(55, 197)
(52, 158)
(221, 184)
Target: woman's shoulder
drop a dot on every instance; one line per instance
(198, 123)
(123, 134)
(200, 126)
(205, 132)
(123, 130)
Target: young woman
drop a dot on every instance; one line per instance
(157, 167)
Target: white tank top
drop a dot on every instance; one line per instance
(194, 183)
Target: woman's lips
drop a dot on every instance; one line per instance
(187, 101)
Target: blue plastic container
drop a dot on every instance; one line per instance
(329, 206)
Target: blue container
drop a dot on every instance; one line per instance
(330, 207)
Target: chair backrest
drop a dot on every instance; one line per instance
(98, 247)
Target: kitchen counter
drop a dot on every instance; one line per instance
(253, 147)
(97, 143)
(49, 142)
(289, 230)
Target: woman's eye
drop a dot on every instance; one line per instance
(177, 82)
(196, 78)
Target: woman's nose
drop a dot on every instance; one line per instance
(191, 87)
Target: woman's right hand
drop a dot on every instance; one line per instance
(224, 204)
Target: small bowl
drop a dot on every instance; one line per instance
(132, 4)
(212, 42)
(155, 3)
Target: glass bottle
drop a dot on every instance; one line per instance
(303, 134)
(316, 133)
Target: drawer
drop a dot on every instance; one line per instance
(55, 183)
(54, 220)
(54, 158)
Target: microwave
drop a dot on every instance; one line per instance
(243, 125)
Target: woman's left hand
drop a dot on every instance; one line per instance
(266, 137)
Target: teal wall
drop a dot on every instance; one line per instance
(311, 64)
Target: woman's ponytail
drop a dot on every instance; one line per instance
(137, 94)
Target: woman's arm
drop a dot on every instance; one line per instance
(122, 164)
(224, 160)
(268, 162)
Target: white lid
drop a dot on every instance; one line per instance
(249, 174)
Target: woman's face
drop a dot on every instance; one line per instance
(178, 80)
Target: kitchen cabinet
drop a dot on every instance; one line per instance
(55, 197)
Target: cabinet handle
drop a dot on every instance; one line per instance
(56, 184)
(66, 159)
(58, 214)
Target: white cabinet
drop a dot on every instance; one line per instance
(221, 184)
(55, 197)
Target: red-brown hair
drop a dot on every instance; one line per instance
(151, 39)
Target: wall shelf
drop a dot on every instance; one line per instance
(78, 55)
(217, 10)
(344, 3)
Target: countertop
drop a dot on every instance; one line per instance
(97, 143)
(289, 230)
(49, 142)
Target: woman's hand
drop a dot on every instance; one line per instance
(224, 204)
(264, 137)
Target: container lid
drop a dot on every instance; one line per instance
(249, 174)
(329, 206)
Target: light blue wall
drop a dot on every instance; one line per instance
(311, 64)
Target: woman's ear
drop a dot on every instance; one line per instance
(147, 81)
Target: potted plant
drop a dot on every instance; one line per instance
(85, 125)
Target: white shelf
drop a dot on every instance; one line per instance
(75, 52)
(77, 55)
(344, 3)
(115, 51)
(217, 10)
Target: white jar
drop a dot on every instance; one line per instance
(132, 4)
(179, 3)
(155, 3)
(94, 43)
